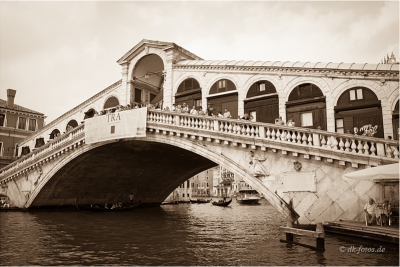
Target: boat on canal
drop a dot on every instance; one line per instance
(248, 197)
(222, 202)
(105, 208)
(200, 200)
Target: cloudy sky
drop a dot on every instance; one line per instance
(58, 54)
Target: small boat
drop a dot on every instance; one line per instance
(100, 208)
(200, 200)
(248, 197)
(221, 203)
(175, 202)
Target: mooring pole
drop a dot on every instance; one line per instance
(320, 241)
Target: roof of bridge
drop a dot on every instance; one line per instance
(288, 64)
(3, 104)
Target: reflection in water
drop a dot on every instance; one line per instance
(184, 234)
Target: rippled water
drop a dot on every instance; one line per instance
(184, 234)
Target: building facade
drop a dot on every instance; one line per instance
(16, 123)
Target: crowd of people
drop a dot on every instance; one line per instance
(180, 108)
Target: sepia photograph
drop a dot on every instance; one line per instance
(199, 133)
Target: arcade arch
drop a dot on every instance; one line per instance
(189, 92)
(54, 133)
(358, 107)
(262, 102)
(148, 80)
(111, 102)
(306, 106)
(71, 123)
(90, 113)
(223, 94)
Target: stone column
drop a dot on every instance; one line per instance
(168, 82)
(126, 85)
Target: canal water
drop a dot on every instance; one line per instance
(184, 234)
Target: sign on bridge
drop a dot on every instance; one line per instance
(120, 124)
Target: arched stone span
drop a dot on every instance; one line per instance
(152, 167)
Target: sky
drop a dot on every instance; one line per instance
(58, 54)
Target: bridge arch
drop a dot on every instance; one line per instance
(190, 153)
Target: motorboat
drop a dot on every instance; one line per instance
(248, 197)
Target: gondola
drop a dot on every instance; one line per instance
(221, 203)
(100, 208)
(200, 200)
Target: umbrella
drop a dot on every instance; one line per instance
(385, 172)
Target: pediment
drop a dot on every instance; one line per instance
(179, 52)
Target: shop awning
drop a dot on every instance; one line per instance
(385, 172)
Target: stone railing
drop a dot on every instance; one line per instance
(76, 109)
(297, 136)
(76, 133)
(357, 144)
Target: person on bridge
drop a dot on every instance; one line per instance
(194, 111)
(246, 117)
(227, 114)
(201, 111)
(369, 210)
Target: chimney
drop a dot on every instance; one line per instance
(10, 97)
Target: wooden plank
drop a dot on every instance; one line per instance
(303, 232)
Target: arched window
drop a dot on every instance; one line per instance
(188, 85)
(306, 107)
(111, 102)
(189, 92)
(262, 102)
(305, 91)
(356, 109)
(227, 101)
(89, 114)
(71, 124)
(261, 88)
(54, 133)
(222, 85)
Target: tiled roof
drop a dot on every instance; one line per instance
(3, 104)
(288, 64)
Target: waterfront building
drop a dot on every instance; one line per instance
(16, 123)
(225, 182)
(196, 186)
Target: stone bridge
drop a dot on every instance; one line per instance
(178, 146)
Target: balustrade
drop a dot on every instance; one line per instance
(349, 143)
(43, 150)
(346, 143)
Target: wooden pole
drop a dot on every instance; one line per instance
(320, 241)
(289, 236)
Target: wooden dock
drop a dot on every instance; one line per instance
(383, 233)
